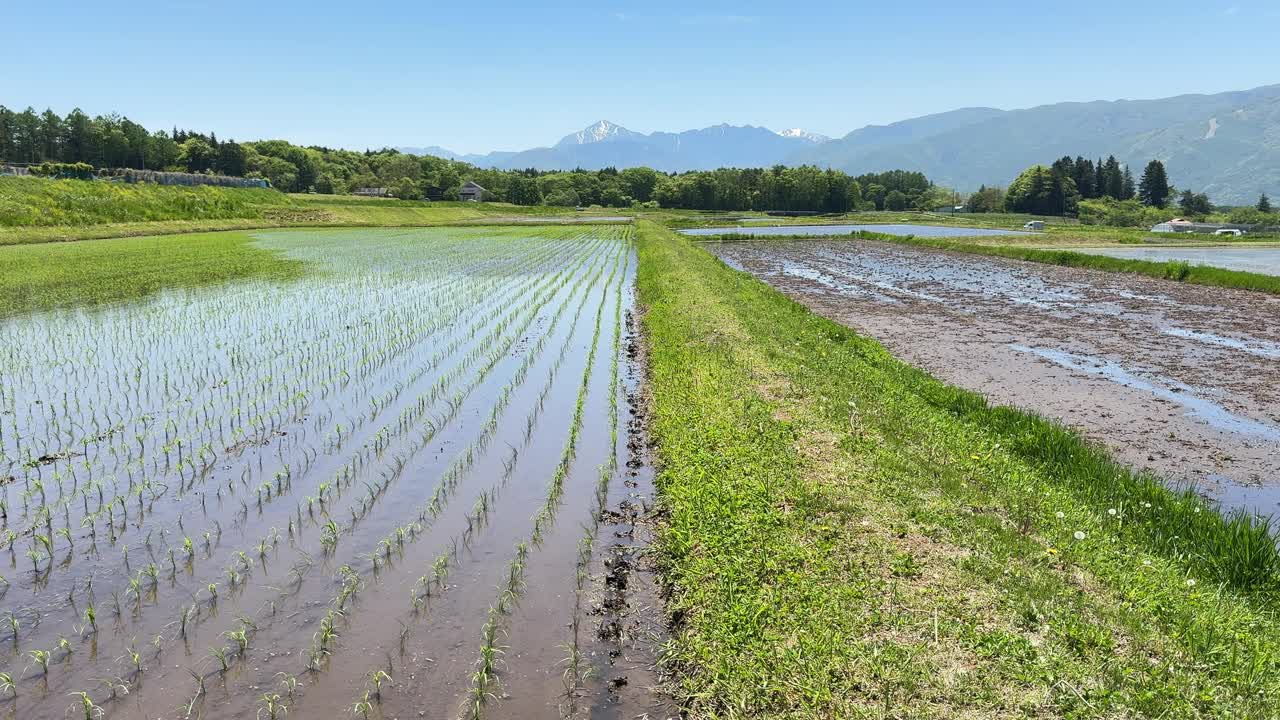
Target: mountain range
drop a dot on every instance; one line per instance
(1226, 145)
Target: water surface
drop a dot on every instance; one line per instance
(1260, 260)
(826, 230)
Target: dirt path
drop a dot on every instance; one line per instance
(1180, 379)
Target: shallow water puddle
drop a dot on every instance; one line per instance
(1197, 407)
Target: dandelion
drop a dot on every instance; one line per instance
(1059, 514)
(1111, 512)
(1079, 535)
(1051, 551)
(1191, 582)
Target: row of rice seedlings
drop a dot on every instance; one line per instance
(322, 642)
(233, 575)
(245, 565)
(485, 675)
(575, 675)
(233, 578)
(438, 572)
(349, 588)
(458, 467)
(179, 446)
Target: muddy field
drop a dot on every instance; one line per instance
(1180, 379)
(409, 485)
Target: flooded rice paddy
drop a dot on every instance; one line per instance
(409, 485)
(935, 231)
(1265, 260)
(1180, 379)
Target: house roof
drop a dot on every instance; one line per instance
(468, 185)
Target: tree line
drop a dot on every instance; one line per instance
(113, 141)
(1102, 191)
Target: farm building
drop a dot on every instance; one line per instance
(372, 192)
(471, 192)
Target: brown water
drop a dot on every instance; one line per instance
(1175, 378)
(364, 450)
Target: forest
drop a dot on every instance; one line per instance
(113, 142)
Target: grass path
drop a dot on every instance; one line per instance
(847, 537)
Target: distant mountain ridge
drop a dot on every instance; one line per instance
(1226, 144)
(606, 144)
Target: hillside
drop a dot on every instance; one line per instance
(1227, 145)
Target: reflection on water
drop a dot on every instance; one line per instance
(827, 230)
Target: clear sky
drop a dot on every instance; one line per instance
(492, 74)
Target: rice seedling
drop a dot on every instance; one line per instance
(347, 388)
(86, 706)
(41, 659)
(272, 707)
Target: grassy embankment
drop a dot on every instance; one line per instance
(36, 210)
(1178, 270)
(848, 537)
(52, 275)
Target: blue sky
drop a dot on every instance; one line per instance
(509, 75)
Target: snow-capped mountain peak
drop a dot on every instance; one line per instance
(803, 135)
(602, 131)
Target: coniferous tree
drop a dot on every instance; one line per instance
(1126, 185)
(1153, 189)
(1195, 204)
(1114, 178)
(1264, 203)
(1099, 180)
(1084, 176)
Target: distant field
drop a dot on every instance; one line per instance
(35, 210)
(57, 275)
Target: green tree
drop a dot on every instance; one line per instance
(50, 136)
(328, 184)
(79, 142)
(1194, 204)
(986, 200)
(1264, 203)
(639, 182)
(232, 159)
(855, 195)
(1153, 189)
(196, 154)
(406, 189)
(895, 200)
(1127, 191)
(1114, 178)
(1041, 191)
(161, 151)
(563, 197)
(523, 190)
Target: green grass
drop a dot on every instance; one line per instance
(847, 537)
(37, 210)
(37, 202)
(72, 274)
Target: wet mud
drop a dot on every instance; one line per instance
(1179, 379)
